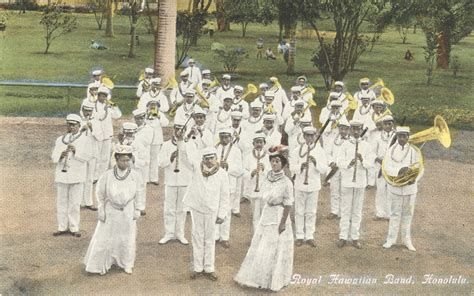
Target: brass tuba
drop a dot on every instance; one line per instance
(440, 132)
(382, 92)
(204, 103)
(107, 82)
(308, 89)
(251, 89)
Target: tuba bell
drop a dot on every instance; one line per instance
(107, 82)
(251, 89)
(382, 92)
(440, 132)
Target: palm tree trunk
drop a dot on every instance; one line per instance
(291, 51)
(443, 51)
(165, 39)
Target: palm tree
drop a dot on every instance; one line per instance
(165, 39)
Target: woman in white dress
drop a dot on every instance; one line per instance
(118, 195)
(269, 260)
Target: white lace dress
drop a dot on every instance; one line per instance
(269, 260)
(114, 241)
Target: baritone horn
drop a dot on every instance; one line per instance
(204, 103)
(107, 82)
(308, 89)
(382, 92)
(251, 89)
(440, 132)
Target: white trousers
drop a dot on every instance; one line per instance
(352, 200)
(103, 162)
(173, 212)
(257, 208)
(144, 174)
(87, 199)
(68, 204)
(383, 202)
(371, 175)
(223, 230)
(335, 190)
(306, 206)
(154, 163)
(204, 245)
(403, 207)
(235, 201)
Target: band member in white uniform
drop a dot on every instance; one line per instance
(363, 112)
(307, 171)
(263, 88)
(157, 120)
(364, 91)
(118, 196)
(95, 81)
(208, 199)
(332, 148)
(155, 94)
(238, 103)
(70, 154)
(273, 136)
(339, 89)
(380, 145)
(254, 123)
(223, 118)
(256, 166)
(397, 162)
(199, 133)
(295, 99)
(92, 91)
(104, 111)
(354, 158)
(279, 93)
(194, 72)
(225, 90)
(214, 104)
(230, 159)
(334, 116)
(144, 84)
(294, 128)
(177, 170)
(269, 260)
(304, 89)
(177, 94)
(91, 125)
(186, 110)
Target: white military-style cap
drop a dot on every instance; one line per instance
(191, 61)
(269, 94)
(206, 81)
(156, 80)
(199, 110)
(238, 88)
(87, 105)
(149, 70)
(97, 72)
(377, 102)
(123, 149)
(335, 103)
(129, 126)
(190, 92)
(339, 83)
(139, 112)
(226, 76)
(236, 114)
(310, 130)
(302, 77)
(295, 88)
(73, 118)
(334, 95)
(263, 85)
(208, 151)
(206, 71)
(227, 98)
(255, 104)
(94, 84)
(183, 73)
(273, 79)
(355, 122)
(103, 90)
(403, 129)
(343, 122)
(269, 117)
(259, 135)
(387, 117)
(300, 103)
(364, 80)
(226, 130)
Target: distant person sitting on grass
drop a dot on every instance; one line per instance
(269, 54)
(409, 56)
(97, 45)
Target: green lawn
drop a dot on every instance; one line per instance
(71, 59)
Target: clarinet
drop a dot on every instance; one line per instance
(65, 163)
(354, 176)
(257, 178)
(176, 163)
(306, 173)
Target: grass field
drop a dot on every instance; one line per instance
(71, 60)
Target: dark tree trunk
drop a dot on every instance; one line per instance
(223, 25)
(444, 49)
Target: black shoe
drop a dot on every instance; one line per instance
(95, 181)
(75, 234)
(340, 243)
(91, 208)
(212, 276)
(59, 232)
(356, 244)
(142, 213)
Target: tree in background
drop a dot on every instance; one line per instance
(198, 16)
(56, 23)
(98, 8)
(165, 40)
(450, 21)
(430, 55)
(349, 44)
(288, 12)
(109, 24)
(223, 23)
(244, 12)
(185, 22)
(133, 10)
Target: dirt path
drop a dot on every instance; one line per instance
(32, 261)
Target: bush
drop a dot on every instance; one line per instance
(230, 57)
